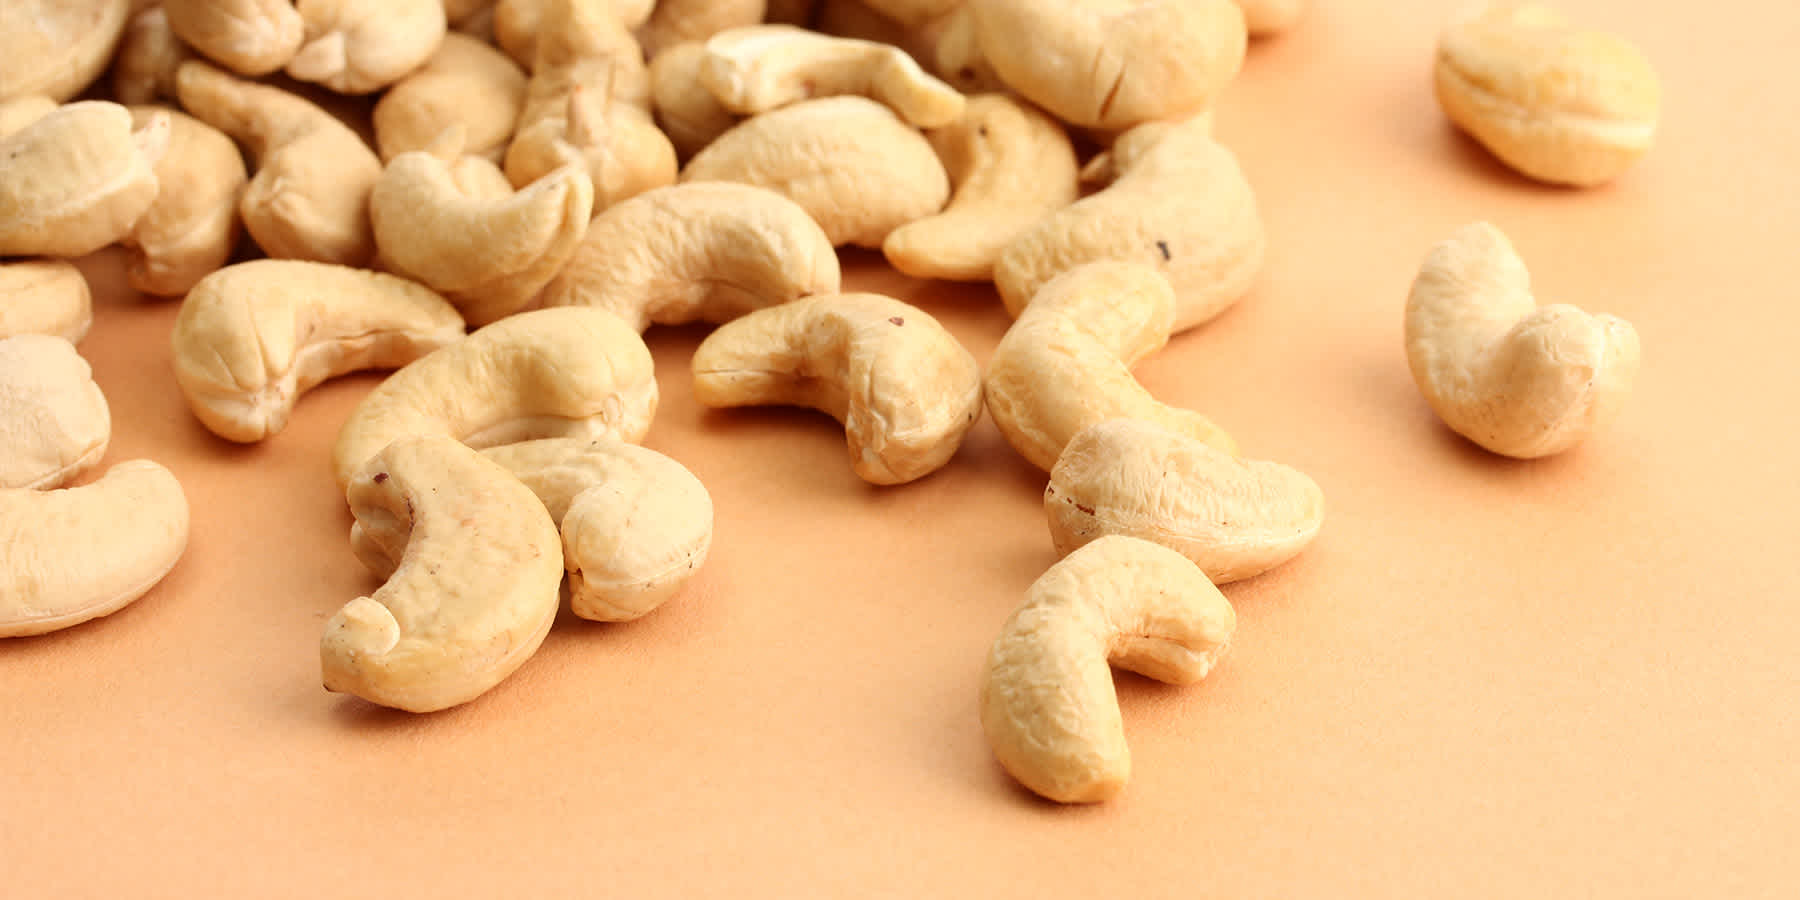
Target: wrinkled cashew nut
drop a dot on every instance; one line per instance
(762, 67)
(192, 228)
(466, 83)
(249, 37)
(45, 296)
(358, 47)
(54, 421)
(57, 47)
(77, 179)
(1048, 705)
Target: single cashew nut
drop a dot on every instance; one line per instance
(697, 252)
(77, 179)
(475, 590)
(903, 386)
(1113, 63)
(956, 54)
(1558, 103)
(466, 83)
(763, 67)
(309, 198)
(849, 162)
(1048, 704)
(54, 422)
(571, 372)
(1234, 518)
(686, 110)
(251, 338)
(57, 47)
(636, 525)
(359, 47)
(517, 22)
(192, 228)
(1181, 204)
(1013, 167)
(1266, 18)
(249, 37)
(1521, 380)
(1066, 363)
(19, 112)
(149, 54)
(676, 21)
(44, 296)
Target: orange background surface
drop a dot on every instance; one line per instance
(1487, 678)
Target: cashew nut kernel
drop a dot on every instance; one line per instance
(54, 421)
(762, 67)
(44, 296)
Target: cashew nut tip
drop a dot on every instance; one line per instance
(697, 252)
(518, 22)
(249, 37)
(54, 421)
(1520, 380)
(762, 67)
(359, 47)
(57, 47)
(44, 296)
(75, 554)
(77, 179)
(475, 589)
(569, 372)
(1048, 705)
(904, 388)
(1066, 363)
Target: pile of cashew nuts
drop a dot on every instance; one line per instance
(541, 181)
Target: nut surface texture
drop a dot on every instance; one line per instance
(685, 109)
(54, 421)
(249, 37)
(57, 47)
(44, 296)
(77, 179)
(359, 46)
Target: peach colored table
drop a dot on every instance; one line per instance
(1567, 678)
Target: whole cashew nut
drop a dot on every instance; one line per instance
(697, 252)
(359, 47)
(1066, 363)
(251, 338)
(473, 593)
(54, 421)
(192, 228)
(903, 386)
(1048, 704)
(685, 109)
(758, 68)
(249, 37)
(44, 296)
(466, 83)
(1521, 380)
(57, 47)
(77, 179)
(72, 555)
(144, 67)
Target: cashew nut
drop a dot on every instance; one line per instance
(763, 67)
(697, 252)
(475, 588)
(1181, 204)
(1066, 363)
(905, 389)
(358, 47)
(192, 228)
(251, 338)
(1013, 166)
(21, 111)
(1266, 18)
(467, 83)
(517, 22)
(1048, 704)
(77, 179)
(309, 198)
(688, 113)
(636, 525)
(1234, 518)
(676, 21)
(956, 54)
(571, 372)
(489, 256)
(57, 47)
(54, 422)
(1113, 63)
(849, 162)
(1521, 380)
(44, 296)
(1558, 103)
(144, 67)
(249, 37)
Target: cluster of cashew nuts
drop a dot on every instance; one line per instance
(550, 178)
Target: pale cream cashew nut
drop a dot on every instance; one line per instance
(57, 47)
(44, 296)
(466, 83)
(192, 228)
(249, 37)
(54, 421)
(362, 46)
(517, 22)
(761, 67)
(686, 111)
(77, 179)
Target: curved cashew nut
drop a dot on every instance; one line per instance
(309, 198)
(849, 162)
(905, 389)
(488, 256)
(1521, 380)
(71, 555)
(358, 47)
(697, 252)
(1066, 363)
(636, 525)
(1013, 167)
(1266, 18)
(1181, 205)
(77, 179)
(1234, 518)
(475, 589)
(54, 421)
(517, 22)
(44, 296)
(249, 37)
(686, 111)
(148, 55)
(57, 47)
(191, 229)
(676, 21)
(571, 372)
(762, 67)
(466, 83)
(251, 338)
(1048, 704)
(1113, 63)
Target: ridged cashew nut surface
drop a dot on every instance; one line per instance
(57, 47)
(72, 555)
(1066, 363)
(44, 296)
(475, 588)
(192, 228)
(697, 252)
(249, 37)
(1048, 705)
(1180, 203)
(686, 110)
(762, 67)
(143, 70)
(1519, 379)
(466, 83)
(849, 162)
(571, 372)
(1235, 518)
(77, 179)
(904, 388)
(362, 46)
(54, 421)
(252, 337)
